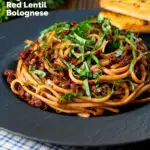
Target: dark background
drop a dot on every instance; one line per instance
(81, 4)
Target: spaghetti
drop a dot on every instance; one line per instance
(84, 68)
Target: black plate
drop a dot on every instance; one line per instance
(23, 119)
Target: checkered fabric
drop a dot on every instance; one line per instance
(9, 141)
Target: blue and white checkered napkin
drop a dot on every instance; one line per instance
(9, 141)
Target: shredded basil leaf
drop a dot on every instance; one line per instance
(81, 49)
(28, 45)
(100, 40)
(100, 18)
(36, 71)
(70, 96)
(46, 43)
(133, 41)
(116, 34)
(100, 73)
(55, 38)
(131, 65)
(57, 27)
(77, 55)
(63, 28)
(146, 53)
(86, 66)
(79, 39)
(89, 61)
(41, 37)
(130, 82)
(120, 51)
(106, 26)
(94, 58)
(87, 88)
(83, 73)
(25, 85)
(83, 28)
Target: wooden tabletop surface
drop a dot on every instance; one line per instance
(81, 4)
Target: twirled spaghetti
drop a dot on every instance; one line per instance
(84, 68)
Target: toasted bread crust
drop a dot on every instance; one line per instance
(135, 8)
(126, 22)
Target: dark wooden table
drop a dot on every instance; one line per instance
(81, 4)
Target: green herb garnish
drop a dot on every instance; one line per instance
(120, 51)
(57, 27)
(129, 81)
(87, 88)
(94, 58)
(77, 55)
(116, 34)
(36, 71)
(28, 45)
(70, 96)
(100, 40)
(82, 72)
(133, 41)
(86, 66)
